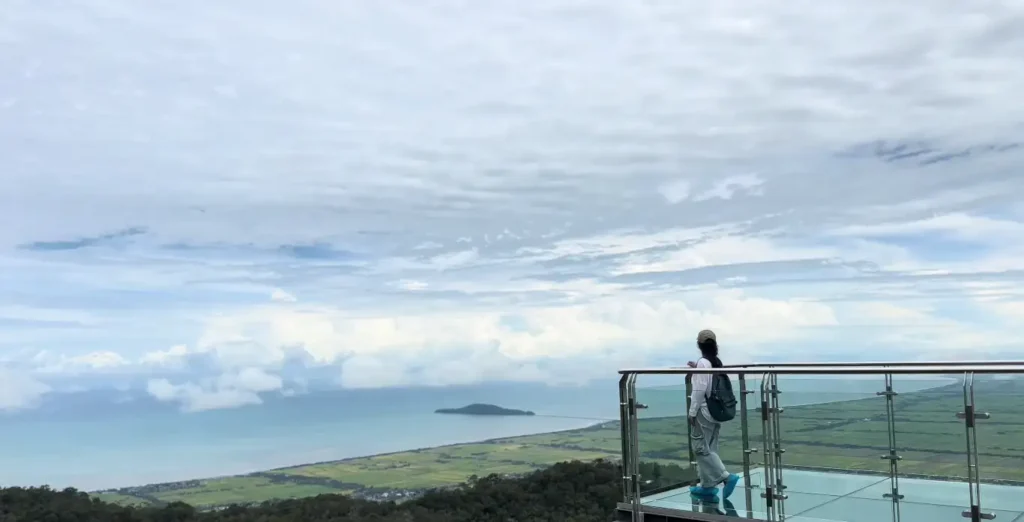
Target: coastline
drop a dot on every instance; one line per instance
(493, 440)
(595, 424)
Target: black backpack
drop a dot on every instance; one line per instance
(721, 401)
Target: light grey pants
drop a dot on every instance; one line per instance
(705, 448)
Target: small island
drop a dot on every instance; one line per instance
(483, 409)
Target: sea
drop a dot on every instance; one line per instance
(108, 439)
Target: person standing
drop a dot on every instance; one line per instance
(704, 427)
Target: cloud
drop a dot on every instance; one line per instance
(446, 347)
(725, 189)
(957, 225)
(349, 195)
(282, 296)
(675, 191)
(19, 391)
(314, 251)
(721, 251)
(84, 242)
(62, 364)
(230, 390)
(171, 357)
(428, 245)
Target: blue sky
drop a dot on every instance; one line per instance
(216, 201)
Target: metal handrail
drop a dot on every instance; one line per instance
(895, 364)
(825, 369)
(771, 409)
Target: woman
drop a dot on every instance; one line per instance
(704, 430)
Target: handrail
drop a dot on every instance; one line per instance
(774, 490)
(835, 370)
(894, 364)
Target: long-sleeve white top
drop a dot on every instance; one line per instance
(701, 387)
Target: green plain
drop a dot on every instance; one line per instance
(844, 436)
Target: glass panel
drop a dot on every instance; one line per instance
(931, 442)
(738, 505)
(835, 431)
(999, 440)
(662, 433)
(858, 498)
(855, 509)
(950, 493)
(835, 426)
(666, 471)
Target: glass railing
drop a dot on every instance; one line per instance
(667, 453)
(999, 407)
(664, 458)
(904, 443)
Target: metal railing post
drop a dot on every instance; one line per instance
(745, 436)
(892, 456)
(638, 514)
(776, 413)
(973, 477)
(624, 432)
(692, 459)
(769, 455)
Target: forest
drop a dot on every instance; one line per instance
(565, 492)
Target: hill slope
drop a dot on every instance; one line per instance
(566, 492)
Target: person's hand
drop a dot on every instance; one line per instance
(693, 422)
(691, 364)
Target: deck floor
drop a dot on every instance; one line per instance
(816, 496)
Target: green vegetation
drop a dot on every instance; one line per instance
(388, 477)
(483, 409)
(566, 492)
(848, 436)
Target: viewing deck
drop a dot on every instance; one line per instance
(869, 442)
(832, 496)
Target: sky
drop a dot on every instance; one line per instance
(216, 201)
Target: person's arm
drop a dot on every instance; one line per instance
(698, 394)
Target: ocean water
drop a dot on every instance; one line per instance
(103, 440)
(113, 439)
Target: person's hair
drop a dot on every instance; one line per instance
(709, 349)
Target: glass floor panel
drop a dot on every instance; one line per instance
(857, 509)
(817, 496)
(1006, 498)
(737, 505)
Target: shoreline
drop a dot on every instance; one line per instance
(492, 440)
(595, 424)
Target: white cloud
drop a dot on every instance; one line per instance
(52, 315)
(506, 344)
(58, 363)
(428, 245)
(282, 296)
(725, 250)
(957, 225)
(169, 357)
(890, 313)
(675, 191)
(230, 390)
(502, 190)
(409, 284)
(19, 391)
(749, 184)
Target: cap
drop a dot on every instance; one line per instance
(705, 335)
